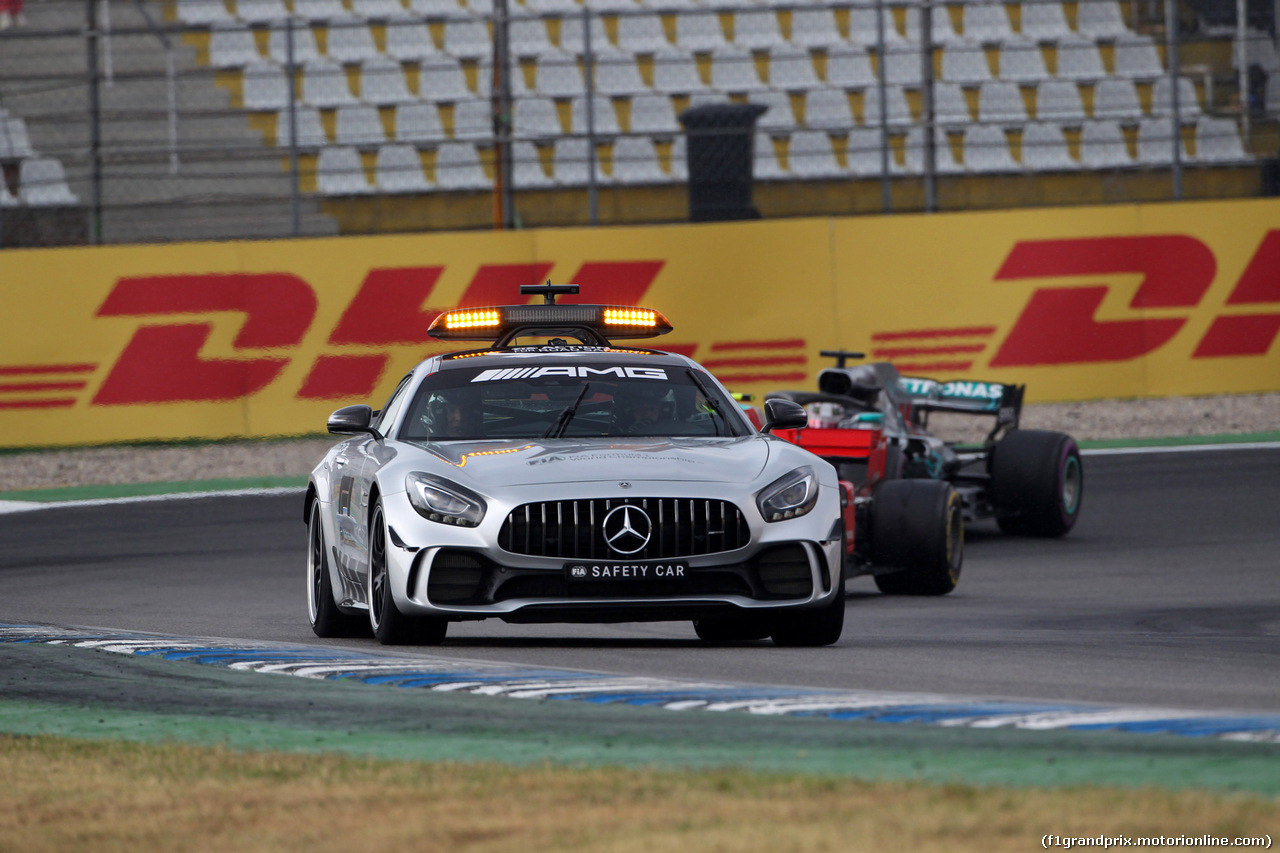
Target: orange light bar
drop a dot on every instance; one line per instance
(472, 319)
(630, 317)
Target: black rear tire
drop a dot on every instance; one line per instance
(917, 528)
(327, 619)
(390, 626)
(1037, 483)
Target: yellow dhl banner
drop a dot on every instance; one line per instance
(217, 340)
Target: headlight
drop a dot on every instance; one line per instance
(447, 503)
(790, 496)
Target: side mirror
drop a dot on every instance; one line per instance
(352, 420)
(783, 414)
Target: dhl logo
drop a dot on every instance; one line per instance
(1059, 324)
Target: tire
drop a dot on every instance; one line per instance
(812, 627)
(1037, 483)
(327, 620)
(731, 629)
(390, 626)
(917, 528)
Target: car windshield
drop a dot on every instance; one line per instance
(578, 400)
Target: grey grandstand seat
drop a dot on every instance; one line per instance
(641, 34)
(679, 169)
(1044, 20)
(231, 45)
(604, 117)
(398, 169)
(15, 141)
(526, 167)
(557, 76)
(324, 84)
(1217, 141)
(1116, 98)
(943, 31)
(699, 31)
(863, 26)
(654, 115)
(319, 10)
(1162, 98)
(965, 62)
(340, 171)
(519, 86)
(203, 12)
(1022, 60)
(1059, 101)
(849, 67)
(551, 7)
(535, 118)
(614, 5)
(377, 9)
(700, 99)
(1044, 149)
(458, 167)
(617, 74)
(778, 115)
(898, 112)
(483, 8)
(42, 182)
(791, 68)
(1156, 141)
(764, 160)
(865, 159)
(1000, 102)
(306, 125)
(756, 28)
(733, 70)
(1136, 57)
(467, 38)
(913, 151)
(635, 161)
(419, 122)
(409, 39)
(264, 87)
(473, 120)
(304, 44)
(359, 125)
(261, 11)
(570, 157)
(528, 37)
(350, 40)
(950, 106)
(382, 81)
(902, 66)
(1100, 19)
(441, 79)
(434, 9)
(986, 149)
(573, 37)
(814, 27)
(675, 72)
(987, 23)
(812, 156)
(1079, 59)
(828, 109)
(1102, 146)
(7, 199)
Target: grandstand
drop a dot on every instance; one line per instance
(264, 118)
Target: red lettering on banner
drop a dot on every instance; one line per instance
(613, 282)
(1251, 334)
(499, 284)
(336, 376)
(162, 363)
(388, 308)
(1058, 325)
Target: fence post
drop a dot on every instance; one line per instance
(95, 126)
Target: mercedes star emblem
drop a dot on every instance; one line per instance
(627, 529)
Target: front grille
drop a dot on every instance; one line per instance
(573, 530)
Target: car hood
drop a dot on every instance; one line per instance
(530, 463)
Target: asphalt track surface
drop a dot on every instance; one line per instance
(1167, 594)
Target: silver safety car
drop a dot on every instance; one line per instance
(555, 476)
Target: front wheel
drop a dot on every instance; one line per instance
(812, 627)
(731, 629)
(390, 626)
(327, 620)
(917, 529)
(1037, 483)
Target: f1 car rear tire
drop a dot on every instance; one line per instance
(1037, 483)
(731, 629)
(812, 627)
(327, 620)
(390, 626)
(917, 527)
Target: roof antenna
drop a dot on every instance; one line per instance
(548, 291)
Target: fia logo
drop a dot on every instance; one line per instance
(578, 571)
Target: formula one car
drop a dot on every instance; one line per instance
(912, 492)
(552, 476)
